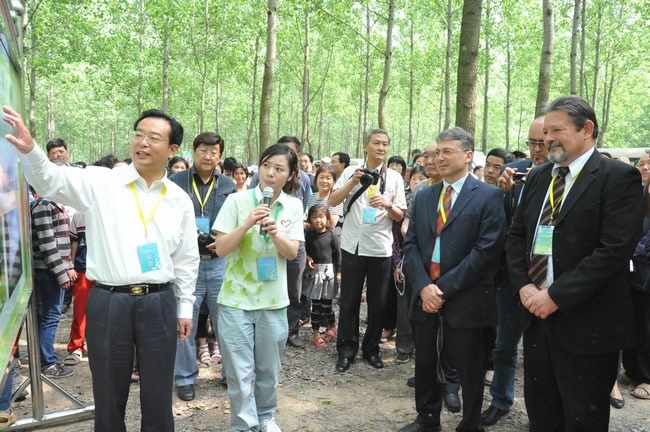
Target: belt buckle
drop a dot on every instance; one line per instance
(138, 290)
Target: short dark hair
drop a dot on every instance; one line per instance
(107, 161)
(291, 139)
(280, 149)
(501, 153)
(344, 158)
(518, 154)
(371, 132)
(209, 138)
(415, 152)
(457, 134)
(176, 129)
(324, 169)
(311, 158)
(319, 208)
(418, 169)
(398, 160)
(54, 143)
(229, 164)
(173, 161)
(577, 108)
(241, 166)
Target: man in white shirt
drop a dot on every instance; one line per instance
(143, 255)
(366, 243)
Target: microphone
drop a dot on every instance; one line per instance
(267, 196)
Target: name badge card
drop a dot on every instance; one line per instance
(435, 257)
(149, 257)
(544, 240)
(369, 215)
(203, 224)
(267, 269)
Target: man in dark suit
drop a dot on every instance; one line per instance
(568, 255)
(452, 249)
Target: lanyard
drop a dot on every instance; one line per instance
(203, 202)
(566, 187)
(146, 221)
(275, 215)
(441, 206)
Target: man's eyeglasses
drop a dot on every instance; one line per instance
(151, 138)
(535, 143)
(447, 152)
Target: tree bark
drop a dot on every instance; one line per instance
(467, 66)
(583, 41)
(545, 64)
(573, 89)
(606, 105)
(139, 100)
(165, 71)
(269, 69)
(51, 125)
(599, 35)
(305, 85)
(319, 152)
(204, 70)
(279, 105)
(448, 54)
(388, 56)
(484, 129)
(29, 54)
(508, 92)
(366, 90)
(217, 100)
(411, 90)
(248, 150)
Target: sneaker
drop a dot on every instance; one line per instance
(56, 371)
(401, 358)
(294, 341)
(489, 376)
(269, 425)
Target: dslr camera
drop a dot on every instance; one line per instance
(204, 240)
(369, 177)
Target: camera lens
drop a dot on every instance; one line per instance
(365, 180)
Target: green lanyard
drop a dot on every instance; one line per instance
(275, 215)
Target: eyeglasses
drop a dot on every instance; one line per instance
(535, 143)
(151, 138)
(447, 152)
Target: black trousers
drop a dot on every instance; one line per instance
(636, 361)
(466, 350)
(565, 392)
(354, 270)
(119, 324)
(295, 269)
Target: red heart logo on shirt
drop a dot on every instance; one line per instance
(285, 223)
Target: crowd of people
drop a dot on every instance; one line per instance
(456, 262)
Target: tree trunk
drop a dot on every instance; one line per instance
(204, 70)
(606, 105)
(217, 100)
(269, 68)
(599, 35)
(574, 47)
(545, 64)
(319, 153)
(165, 72)
(508, 93)
(484, 129)
(51, 125)
(440, 107)
(279, 105)
(361, 128)
(305, 85)
(139, 100)
(467, 66)
(366, 90)
(383, 93)
(30, 53)
(448, 54)
(248, 150)
(583, 40)
(411, 90)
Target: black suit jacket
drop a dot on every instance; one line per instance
(472, 241)
(595, 234)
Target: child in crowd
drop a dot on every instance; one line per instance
(323, 264)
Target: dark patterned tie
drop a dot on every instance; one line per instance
(434, 269)
(539, 263)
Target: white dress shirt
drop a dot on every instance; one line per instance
(456, 187)
(376, 239)
(114, 230)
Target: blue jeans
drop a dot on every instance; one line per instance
(509, 330)
(252, 343)
(5, 396)
(51, 298)
(208, 286)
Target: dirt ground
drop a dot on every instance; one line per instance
(313, 397)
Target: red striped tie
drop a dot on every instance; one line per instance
(539, 263)
(434, 269)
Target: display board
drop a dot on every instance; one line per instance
(15, 244)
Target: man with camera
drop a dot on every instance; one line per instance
(374, 198)
(208, 190)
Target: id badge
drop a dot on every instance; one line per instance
(435, 257)
(544, 240)
(369, 215)
(149, 257)
(203, 224)
(267, 269)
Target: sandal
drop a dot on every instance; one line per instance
(204, 354)
(135, 376)
(73, 358)
(216, 354)
(7, 418)
(319, 342)
(642, 391)
(330, 334)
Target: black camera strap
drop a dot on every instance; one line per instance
(362, 189)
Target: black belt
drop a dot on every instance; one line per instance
(136, 289)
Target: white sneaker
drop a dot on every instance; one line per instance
(269, 425)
